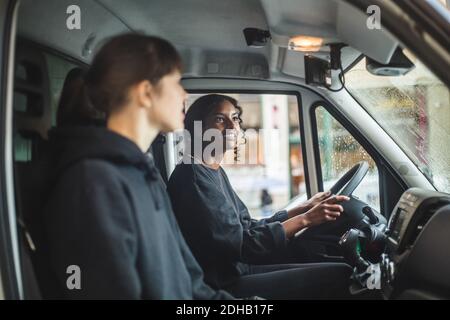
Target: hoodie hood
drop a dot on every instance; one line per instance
(76, 143)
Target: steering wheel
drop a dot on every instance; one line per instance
(351, 179)
(327, 234)
(353, 208)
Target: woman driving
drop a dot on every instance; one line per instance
(235, 251)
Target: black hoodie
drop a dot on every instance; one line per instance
(218, 227)
(109, 215)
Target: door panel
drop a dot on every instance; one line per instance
(11, 280)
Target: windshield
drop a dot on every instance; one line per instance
(414, 109)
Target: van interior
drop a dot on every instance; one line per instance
(360, 108)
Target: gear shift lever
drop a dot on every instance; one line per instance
(351, 248)
(373, 219)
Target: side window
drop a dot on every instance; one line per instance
(269, 169)
(339, 151)
(39, 78)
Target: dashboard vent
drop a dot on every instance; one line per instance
(420, 224)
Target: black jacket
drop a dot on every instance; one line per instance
(109, 214)
(217, 225)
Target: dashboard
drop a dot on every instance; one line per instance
(416, 261)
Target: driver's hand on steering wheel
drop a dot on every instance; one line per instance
(326, 210)
(317, 198)
(309, 204)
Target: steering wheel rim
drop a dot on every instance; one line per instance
(348, 183)
(351, 179)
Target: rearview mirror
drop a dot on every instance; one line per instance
(398, 66)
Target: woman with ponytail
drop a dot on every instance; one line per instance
(110, 232)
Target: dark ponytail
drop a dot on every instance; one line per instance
(124, 61)
(73, 107)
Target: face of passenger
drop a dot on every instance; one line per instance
(226, 119)
(167, 102)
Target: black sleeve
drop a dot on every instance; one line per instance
(90, 224)
(223, 232)
(280, 216)
(200, 290)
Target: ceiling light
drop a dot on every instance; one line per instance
(305, 43)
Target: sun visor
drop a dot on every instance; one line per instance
(211, 63)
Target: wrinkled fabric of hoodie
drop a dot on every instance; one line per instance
(108, 215)
(218, 227)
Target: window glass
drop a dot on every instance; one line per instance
(30, 104)
(339, 152)
(414, 109)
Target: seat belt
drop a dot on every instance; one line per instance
(27, 248)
